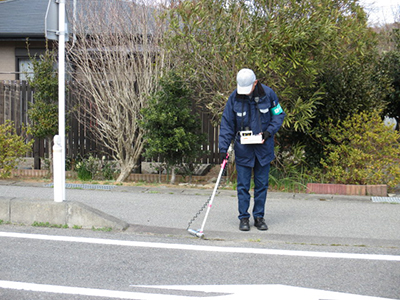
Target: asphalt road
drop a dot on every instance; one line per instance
(126, 262)
(316, 245)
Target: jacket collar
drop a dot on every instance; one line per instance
(258, 92)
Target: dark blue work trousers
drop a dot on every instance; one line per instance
(261, 177)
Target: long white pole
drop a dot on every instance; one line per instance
(61, 90)
(221, 171)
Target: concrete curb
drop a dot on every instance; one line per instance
(20, 211)
(233, 193)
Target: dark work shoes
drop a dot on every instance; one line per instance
(244, 224)
(260, 224)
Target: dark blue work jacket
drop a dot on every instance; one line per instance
(242, 113)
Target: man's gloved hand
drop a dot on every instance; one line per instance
(265, 135)
(222, 156)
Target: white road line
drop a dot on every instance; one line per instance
(201, 248)
(222, 292)
(58, 289)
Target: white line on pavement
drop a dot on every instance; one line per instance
(58, 289)
(226, 292)
(238, 250)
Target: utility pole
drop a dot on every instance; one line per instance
(56, 29)
(61, 90)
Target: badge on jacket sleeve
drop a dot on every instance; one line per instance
(277, 110)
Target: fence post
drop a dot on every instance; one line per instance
(24, 102)
(2, 101)
(17, 106)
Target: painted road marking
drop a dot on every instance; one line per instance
(268, 291)
(58, 289)
(224, 292)
(237, 250)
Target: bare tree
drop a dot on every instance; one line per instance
(116, 62)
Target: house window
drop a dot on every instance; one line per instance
(24, 64)
(24, 68)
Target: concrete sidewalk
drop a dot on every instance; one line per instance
(294, 218)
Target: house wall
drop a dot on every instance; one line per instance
(11, 52)
(7, 60)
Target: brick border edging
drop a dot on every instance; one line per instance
(347, 189)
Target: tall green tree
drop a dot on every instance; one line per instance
(287, 43)
(171, 128)
(299, 48)
(43, 112)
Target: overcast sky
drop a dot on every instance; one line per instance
(382, 11)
